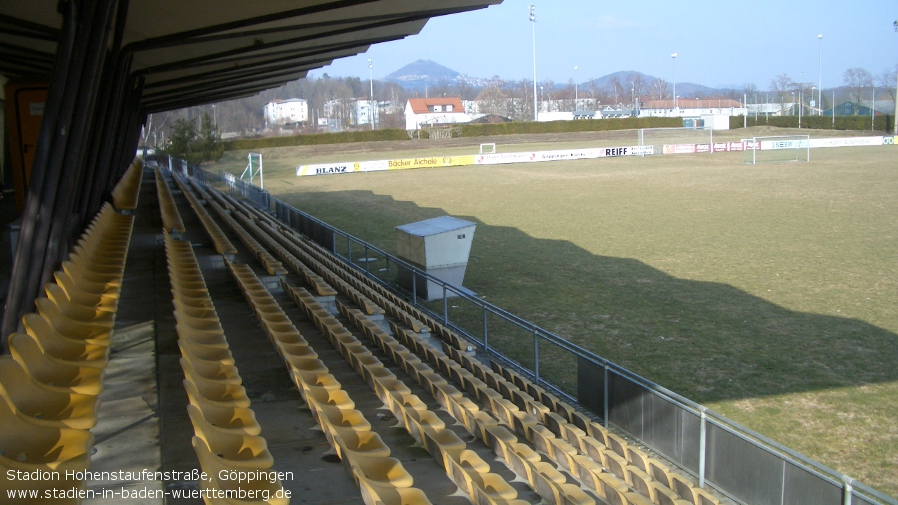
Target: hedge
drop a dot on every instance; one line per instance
(316, 139)
(882, 123)
(464, 130)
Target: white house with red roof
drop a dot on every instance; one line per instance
(427, 112)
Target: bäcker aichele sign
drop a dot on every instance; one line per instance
(482, 159)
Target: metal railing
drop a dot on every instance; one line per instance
(740, 463)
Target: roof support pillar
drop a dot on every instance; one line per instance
(59, 156)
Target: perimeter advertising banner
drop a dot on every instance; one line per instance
(849, 142)
(380, 165)
(481, 159)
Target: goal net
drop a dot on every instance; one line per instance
(777, 149)
(676, 140)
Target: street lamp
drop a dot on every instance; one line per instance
(674, 66)
(820, 76)
(371, 81)
(895, 126)
(533, 25)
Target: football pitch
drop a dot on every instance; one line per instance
(766, 292)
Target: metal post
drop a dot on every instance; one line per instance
(367, 262)
(605, 399)
(535, 357)
(414, 287)
(485, 341)
(445, 305)
(847, 490)
(702, 443)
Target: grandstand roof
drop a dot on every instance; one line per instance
(203, 51)
(107, 64)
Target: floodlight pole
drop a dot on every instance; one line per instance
(371, 99)
(533, 26)
(674, 67)
(820, 76)
(895, 126)
(575, 88)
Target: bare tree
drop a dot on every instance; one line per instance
(594, 93)
(886, 80)
(615, 89)
(857, 79)
(492, 100)
(781, 85)
(636, 83)
(659, 89)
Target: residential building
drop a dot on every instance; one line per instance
(424, 112)
(289, 111)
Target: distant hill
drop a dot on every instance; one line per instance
(684, 89)
(415, 74)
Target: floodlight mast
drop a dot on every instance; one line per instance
(533, 25)
(674, 67)
(895, 126)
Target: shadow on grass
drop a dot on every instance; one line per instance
(707, 341)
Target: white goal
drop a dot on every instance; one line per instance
(488, 148)
(777, 149)
(676, 140)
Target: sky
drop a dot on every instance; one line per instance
(717, 43)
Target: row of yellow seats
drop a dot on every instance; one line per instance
(289, 253)
(273, 266)
(221, 242)
(348, 290)
(125, 193)
(632, 456)
(644, 473)
(382, 479)
(635, 477)
(544, 478)
(514, 406)
(171, 218)
(227, 436)
(51, 380)
(469, 471)
(523, 399)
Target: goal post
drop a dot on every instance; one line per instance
(777, 149)
(488, 148)
(658, 138)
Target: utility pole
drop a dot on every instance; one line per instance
(533, 25)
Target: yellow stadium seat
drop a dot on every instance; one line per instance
(228, 420)
(214, 467)
(77, 312)
(211, 370)
(42, 406)
(237, 450)
(56, 374)
(194, 350)
(359, 441)
(216, 393)
(374, 493)
(71, 328)
(381, 469)
(60, 348)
